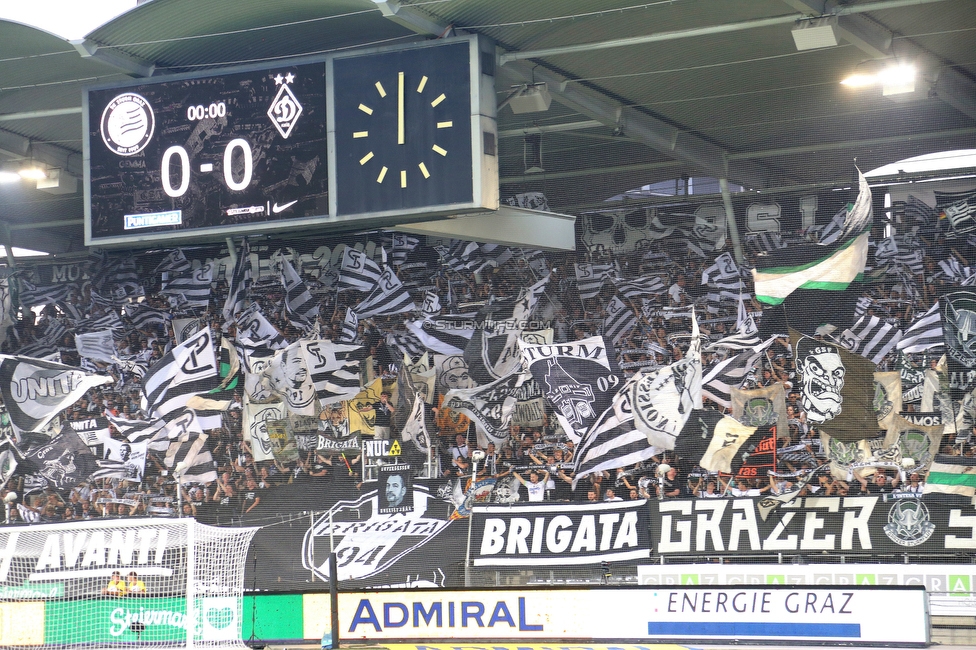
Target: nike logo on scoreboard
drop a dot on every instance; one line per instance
(281, 208)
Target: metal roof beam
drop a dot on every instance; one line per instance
(410, 18)
(17, 146)
(706, 31)
(130, 65)
(550, 128)
(638, 126)
(33, 115)
(948, 84)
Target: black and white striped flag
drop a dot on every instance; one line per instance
(613, 441)
(960, 210)
(388, 298)
(956, 272)
(301, 307)
(55, 329)
(193, 287)
(833, 230)
(188, 369)
(189, 453)
(239, 283)
(407, 343)
(33, 295)
(590, 278)
(142, 316)
(175, 262)
(350, 327)
(333, 369)
(724, 268)
(722, 377)
(442, 336)
(640, 287)
(870, 337)
(619, 320)
(738, 341)
(925, 333)
(765, 242)
(863, 304)
(402, 245)
(254, 326)
(432, 304)
(35, 391)
(99, 346)
(109, 320)
(911, 260)
(356, 271)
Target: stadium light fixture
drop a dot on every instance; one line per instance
(894, 78)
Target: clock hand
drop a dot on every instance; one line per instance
(400, 139)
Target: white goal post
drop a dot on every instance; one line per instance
(138, 583)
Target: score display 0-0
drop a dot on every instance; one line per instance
(206, 154)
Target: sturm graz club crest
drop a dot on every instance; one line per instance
(285, 109)
(916, 444)
(883, 406)
(127, 124)
(759, 412)
(909, 523)
(368, 543)
(959, 330)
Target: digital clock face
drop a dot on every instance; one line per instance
(239, 151)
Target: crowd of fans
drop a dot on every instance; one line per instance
(533, 456)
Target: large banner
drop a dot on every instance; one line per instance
(812, 525)
(541, 534)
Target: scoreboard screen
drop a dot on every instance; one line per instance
(185, 157)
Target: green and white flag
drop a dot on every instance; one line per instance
(815, 266)
(951, 475)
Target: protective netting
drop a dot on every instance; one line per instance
(138, 583)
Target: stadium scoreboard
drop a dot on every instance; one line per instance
(360, 140)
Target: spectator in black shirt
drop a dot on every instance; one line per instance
(383, 410)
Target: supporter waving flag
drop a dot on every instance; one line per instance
(301, 307)
(35, 391)
(239, 284)
(188, 369)
(816, 266)
(356, 271)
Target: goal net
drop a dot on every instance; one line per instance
(122, 582)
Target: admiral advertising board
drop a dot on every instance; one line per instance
(744, 613)
(839, 525)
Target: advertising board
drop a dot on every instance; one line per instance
(949, 586)
(813, 614)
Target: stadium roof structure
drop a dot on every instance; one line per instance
(642, 92)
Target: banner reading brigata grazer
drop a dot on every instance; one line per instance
(545, 535)
(811, 525)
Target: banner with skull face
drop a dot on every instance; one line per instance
(959, 330)
(836, 388)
